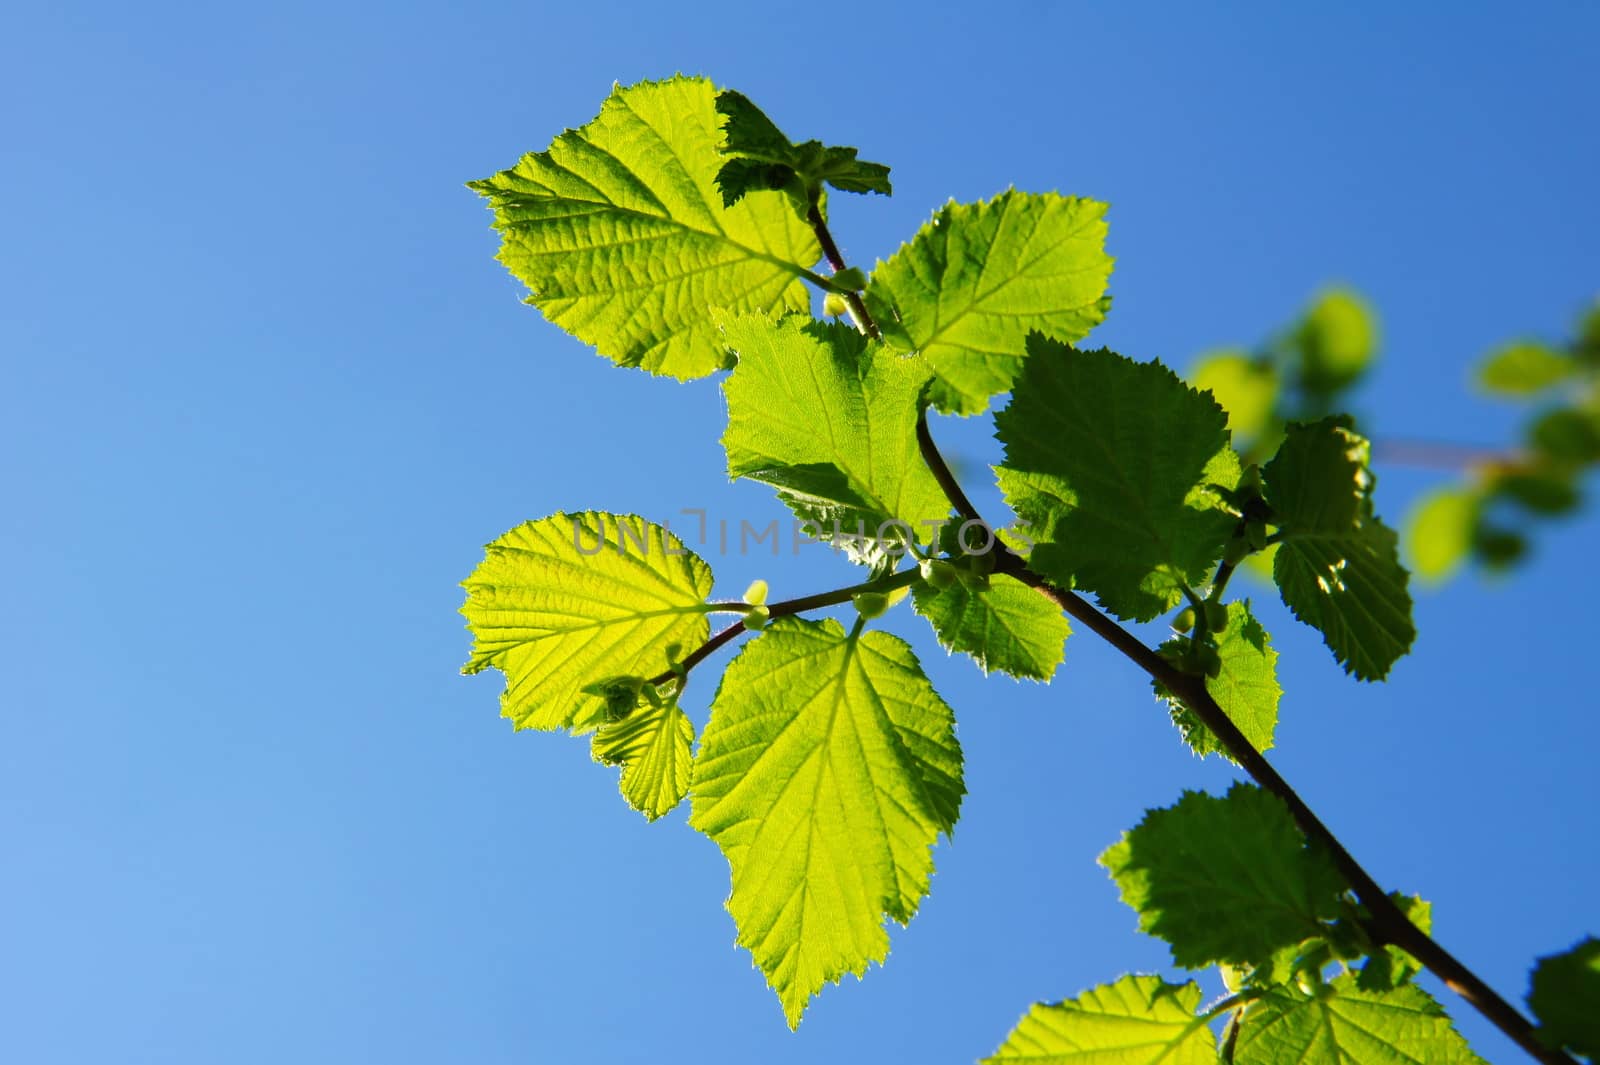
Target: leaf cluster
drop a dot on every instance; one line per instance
(676, 233)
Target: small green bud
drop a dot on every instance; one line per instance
(756, 594)
(1255, 534)
(851, 278)
(870, 604)
(835, 305)
(756, 618)
(939, 573)
(1185, 620)
(983, 564)
(1216, 616)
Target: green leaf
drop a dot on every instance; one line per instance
(828, 769)
(1522, 369)
(1116, 465)
(1337, 340)
(1566, 998)
(1344, 1025)
(761, 157)
(1568, 435)
(1225, 880)
(652, 745)
(563, 604)
(1440, 531)
(1139, 1020)
(1245, 388)
(1338, 567)
(1246, 688)
(1007, 627)
(977, 278)
(621, 236)
(1550, 492)
(1391, 966)
(829, 419)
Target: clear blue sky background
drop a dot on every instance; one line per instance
(265, 393)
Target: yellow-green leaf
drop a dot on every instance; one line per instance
(1139, 1020)
(620, 233)
(566, 603)
(972, 284)
(827, 771)
(1440, 530)
(652, 745)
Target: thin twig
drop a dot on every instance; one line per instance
(1440, 455)
(783, 609)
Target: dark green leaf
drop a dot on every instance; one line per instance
(1119, 468)
(1338, 567)
(1225, 880)
(1568, 436)
(762, 158)
(1566, 998)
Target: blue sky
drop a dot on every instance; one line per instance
(266, 393)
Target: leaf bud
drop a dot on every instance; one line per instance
(870, 604)
(937, 572)
(756, 618)
(1185, 620)
(834, 305)
(756, 594)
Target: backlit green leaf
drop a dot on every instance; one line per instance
(1225, 880)
(1344, 1025)
(1440, 531)
(1139, 1020)
(976, 279)
(1116, 465)
(1338, 567)
(1007, 626)
(652, 745)
(829, 419)
(1245, 388)
(1525, 368)
(1566, 998)
(1337, 340)
(621, 236)
(827, 771)
(566, 603)
(1246, 687)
